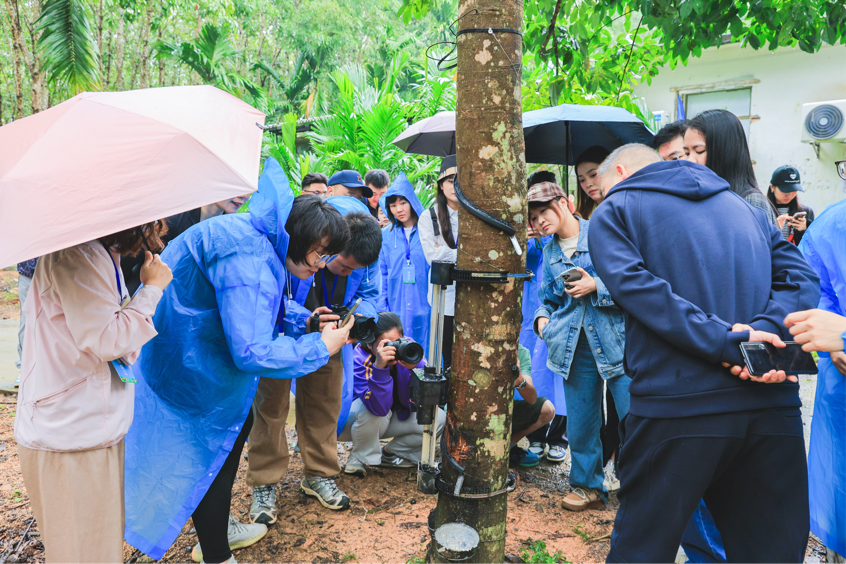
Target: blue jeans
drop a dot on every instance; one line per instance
(583, 393)
(702, 541)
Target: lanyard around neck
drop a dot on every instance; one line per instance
(326, 301)
(407, 246)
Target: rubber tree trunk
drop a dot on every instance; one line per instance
(491, 170)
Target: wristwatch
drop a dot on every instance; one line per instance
(522, 384)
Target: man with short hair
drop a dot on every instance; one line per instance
(315, 183)
(669, 141)
(343, 279)
(697, 428)
(349, 183)
(377, 180)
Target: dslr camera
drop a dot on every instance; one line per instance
(363, 329)
(408, 351)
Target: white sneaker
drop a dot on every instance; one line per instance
(239, 535)
(611, 483)
(356, 468)
(538, 448)
(556, 454)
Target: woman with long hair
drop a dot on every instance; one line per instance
(439, 237)
(589, 194)
(793, 218)
(715, 138)
(75, 402)
(405, 272)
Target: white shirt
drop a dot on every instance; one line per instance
(568, 246)
(436, 249)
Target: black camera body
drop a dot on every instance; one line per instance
(407, 350)
(363, 329)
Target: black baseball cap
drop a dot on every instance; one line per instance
(786, 179)
(448, 167)
(351, 179)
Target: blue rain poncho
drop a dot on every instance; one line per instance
(362, 283)
(218, 334)
(824, 246)
(547, 383)
(405, 272)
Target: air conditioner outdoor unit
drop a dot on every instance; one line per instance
(661, 119)
(824, 122)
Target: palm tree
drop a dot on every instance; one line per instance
(69, 52)
(212, 56)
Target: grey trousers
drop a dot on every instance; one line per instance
(365, 430)
(24, 282)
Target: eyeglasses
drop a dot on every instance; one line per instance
(841, 169)
(320, 259)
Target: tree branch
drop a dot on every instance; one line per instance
(551, 31)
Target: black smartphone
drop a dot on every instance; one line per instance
(763, 357)
(571, 276)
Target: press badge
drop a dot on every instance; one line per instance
(408, 273)
(124, 372)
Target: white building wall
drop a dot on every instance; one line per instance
(782, 81)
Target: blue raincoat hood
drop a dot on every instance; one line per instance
(347, 204)
(271, 205)
(690, 181)
(401, 187)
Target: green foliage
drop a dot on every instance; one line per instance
(349, 557)
(213, 57)
(367, 114)
(67, 45)
(579, 530)
(296, 164)
(597, 51)
(415, 560)
(538, 553)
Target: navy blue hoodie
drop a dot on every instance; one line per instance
(685, 259)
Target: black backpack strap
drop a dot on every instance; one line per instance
(434, 221)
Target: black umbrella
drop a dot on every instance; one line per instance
(556, 135)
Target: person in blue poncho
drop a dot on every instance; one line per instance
(221, 327)
(405, 272)
(323, 398)
(824, 329)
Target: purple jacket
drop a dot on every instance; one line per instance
(381, 391)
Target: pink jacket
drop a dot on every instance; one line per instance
(70, 398)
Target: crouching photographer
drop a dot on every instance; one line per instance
(381, 408)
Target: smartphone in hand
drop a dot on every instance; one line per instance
(763, 357)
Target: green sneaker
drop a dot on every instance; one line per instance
(326, 492)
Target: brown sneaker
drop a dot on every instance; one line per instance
(583, 498)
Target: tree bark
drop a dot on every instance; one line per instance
(23, 57)
(145, 47)
(491, 171)
(19, 97)
(120, 42)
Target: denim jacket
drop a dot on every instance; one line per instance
(596, 313)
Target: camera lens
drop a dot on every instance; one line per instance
(408, 351)
(364, 330)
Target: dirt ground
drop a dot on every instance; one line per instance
(9, 308)
(386, 523)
